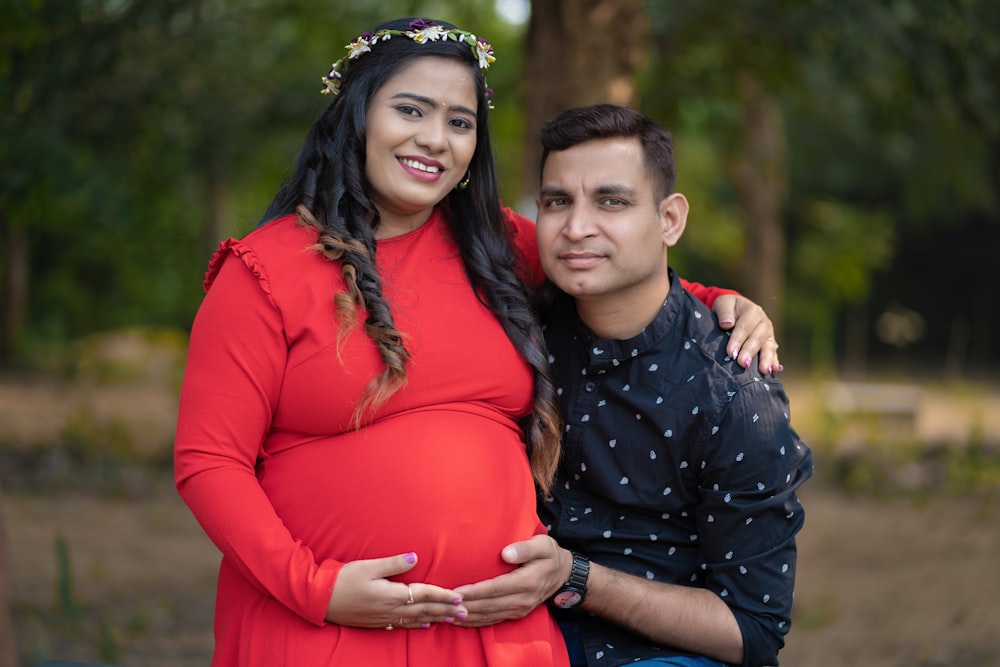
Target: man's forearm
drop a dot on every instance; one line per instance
(689, 618)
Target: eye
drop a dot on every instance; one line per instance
(555, 202)
(409, 110)
(613, 202)
(462, 123)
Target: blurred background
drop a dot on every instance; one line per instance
(842, 159)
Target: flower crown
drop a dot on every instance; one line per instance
(420, 32)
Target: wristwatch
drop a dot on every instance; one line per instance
(573, 591)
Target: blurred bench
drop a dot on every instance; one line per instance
(893, 407)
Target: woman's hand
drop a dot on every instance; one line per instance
(752, 332)
(364, 597)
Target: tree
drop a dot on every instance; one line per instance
(729, 69)
(65, 199)
(758, 172)
(590, 51)
(578, 52)
(139, 134)
(841, 115)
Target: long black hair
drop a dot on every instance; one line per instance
(328, 191)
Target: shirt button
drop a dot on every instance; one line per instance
(589, 387)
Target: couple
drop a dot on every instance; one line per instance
(370, 403)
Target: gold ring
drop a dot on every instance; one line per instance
(410, 591)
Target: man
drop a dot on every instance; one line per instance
(674, 507)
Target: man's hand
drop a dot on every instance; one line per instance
(543, 568)
(752, 332)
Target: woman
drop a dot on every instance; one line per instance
(363, 375)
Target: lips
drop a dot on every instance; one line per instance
(580, 259)
(421, 169)
(421, 166)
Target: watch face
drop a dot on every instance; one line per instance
(567, 599)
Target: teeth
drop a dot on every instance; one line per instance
(420, 166)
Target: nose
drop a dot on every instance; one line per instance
(433, 137)
(578, 224)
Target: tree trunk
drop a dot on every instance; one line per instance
(578, 52)
(15, 284)
(760, 177)
(8, 654)
(217, 218)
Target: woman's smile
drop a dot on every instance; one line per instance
(422, 169)
(421, 139)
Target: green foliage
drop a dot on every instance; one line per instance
(973, 469)
(839, 247)
(124, 355)
(837, 251)
(891, 133)
(874, 446)
(137, 134)
(90, 440)
(904, 102)
(108, 642)
(67, 608)
(915, 470)
(714, 234)
(72, 622)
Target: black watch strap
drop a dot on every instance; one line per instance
(572, 593)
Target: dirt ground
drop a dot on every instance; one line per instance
(883, 582)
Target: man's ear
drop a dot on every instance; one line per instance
(673, 217)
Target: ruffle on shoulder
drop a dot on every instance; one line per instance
(246, 254)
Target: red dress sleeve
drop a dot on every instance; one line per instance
(235, 365)
(526, 246)
(707, 295)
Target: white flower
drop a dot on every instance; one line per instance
(430, 33)
(484, 52)
(358, 48)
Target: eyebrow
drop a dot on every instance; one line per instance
(552, 192)
(603, 190)
(432, 102)
(616, 189)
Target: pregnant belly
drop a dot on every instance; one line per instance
(451, 486)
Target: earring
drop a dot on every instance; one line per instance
(465, 181)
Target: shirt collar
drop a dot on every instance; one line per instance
(613, 352)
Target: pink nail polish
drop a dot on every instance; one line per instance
(457, 601)
(411, 558)
(770, 370)
(425, 625)
(449, 619)
(461, 615)
(746, 361)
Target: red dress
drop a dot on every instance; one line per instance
(267, 461)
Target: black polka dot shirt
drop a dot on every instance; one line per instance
(678, 466)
